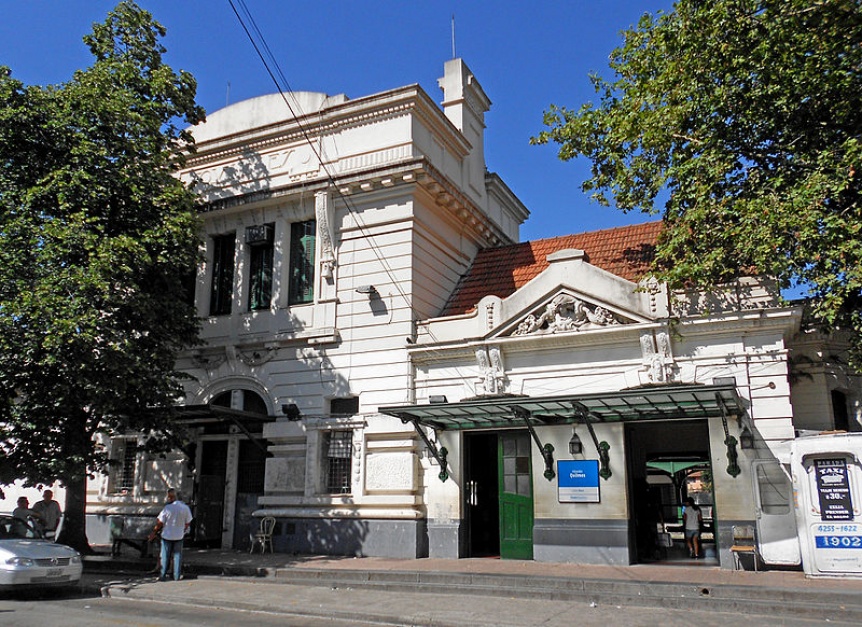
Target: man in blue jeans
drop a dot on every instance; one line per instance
(173, 523)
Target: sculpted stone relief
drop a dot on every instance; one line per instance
(252, 170)
(323, 210)
(657, 356)
(492, 374)
(563, 314)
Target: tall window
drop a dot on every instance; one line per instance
(125, 453)
(337, 446)
(260, 241)
(221, 294)
(301, 289)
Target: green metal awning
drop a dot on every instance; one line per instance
(654, 402)
(672, 467)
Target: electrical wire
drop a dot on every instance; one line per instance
(273, 69)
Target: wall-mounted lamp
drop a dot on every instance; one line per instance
(435, 399)
(291, 411)
(746, 439)
(576, 447)
(370, 290)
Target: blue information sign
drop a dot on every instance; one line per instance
(578, 481)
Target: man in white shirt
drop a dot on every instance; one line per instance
(173, 523)
(49, 510)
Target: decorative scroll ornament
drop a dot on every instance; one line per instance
(323, 210)
(256, 357)
(563, 314)
(208, 361)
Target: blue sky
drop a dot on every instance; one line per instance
(526, 55)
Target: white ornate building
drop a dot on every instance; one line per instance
(387, 371)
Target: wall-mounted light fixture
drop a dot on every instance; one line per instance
(746, 439)
(434, 399)
(291, 411)
(369, 290)
(576, 447)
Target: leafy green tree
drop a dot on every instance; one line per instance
(98, 241)
(746, 116)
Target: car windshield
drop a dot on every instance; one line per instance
(17, 528)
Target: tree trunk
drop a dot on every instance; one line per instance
(74, 529)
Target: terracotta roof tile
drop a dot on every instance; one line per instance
(625, 251)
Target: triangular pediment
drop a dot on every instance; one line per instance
(573, 296)
(568, 311)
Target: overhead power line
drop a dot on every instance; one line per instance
(282, 85)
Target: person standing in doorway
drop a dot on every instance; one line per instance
(49, 510)
(692, 519)
(173, 523)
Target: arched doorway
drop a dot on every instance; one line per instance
(231, 468)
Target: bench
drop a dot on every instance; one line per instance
(133, 531)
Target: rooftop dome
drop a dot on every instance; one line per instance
(262, 111)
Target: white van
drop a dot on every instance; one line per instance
(826, 470)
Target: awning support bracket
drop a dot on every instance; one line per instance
(602, 448)
(547, 450)
(440, 454)
(729, 441)
(257, 441)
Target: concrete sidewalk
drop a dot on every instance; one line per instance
(453, 587)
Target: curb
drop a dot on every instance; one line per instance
(136, 568)
(792, 603)
(822, 605)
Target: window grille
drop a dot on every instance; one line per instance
(124, 478)
(338, 447)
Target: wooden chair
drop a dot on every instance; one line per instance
(744, 543)
(263, 536)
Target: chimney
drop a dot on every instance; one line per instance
(465, 104)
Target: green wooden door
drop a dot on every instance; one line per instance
(516, 496)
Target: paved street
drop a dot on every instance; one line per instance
(462, 592)
(232, 601)
(96, 612)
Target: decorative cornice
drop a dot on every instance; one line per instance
(350, 114)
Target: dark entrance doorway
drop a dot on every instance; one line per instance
(249, 486)
(483, 503)
(209, 501)
(499, 499)
(668, 461)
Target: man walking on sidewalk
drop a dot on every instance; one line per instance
(173, 523)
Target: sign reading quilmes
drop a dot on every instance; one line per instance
(833, 489)
(578, 481)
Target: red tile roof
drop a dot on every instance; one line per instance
(625, 251)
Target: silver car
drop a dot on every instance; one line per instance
(27, 559)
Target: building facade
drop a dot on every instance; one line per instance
(330, 227)
(388, 371)
(579, 405)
